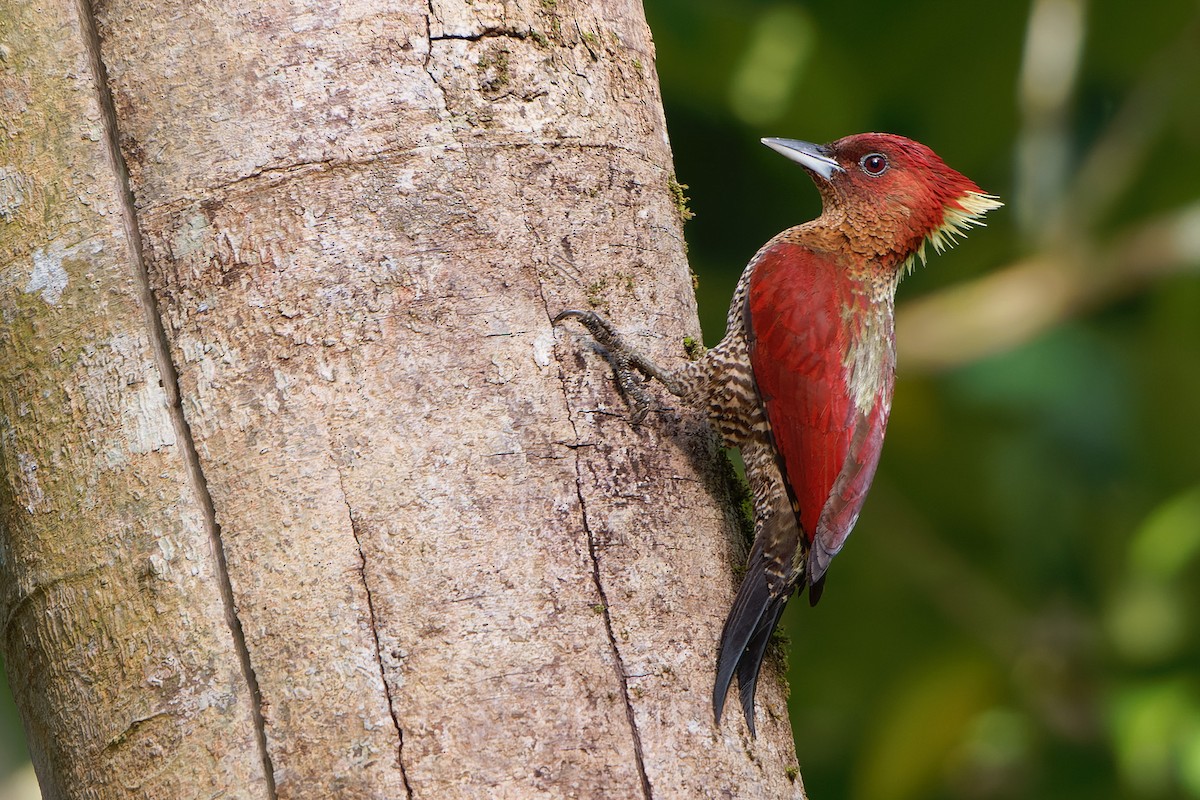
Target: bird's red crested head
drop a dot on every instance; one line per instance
(890, 195)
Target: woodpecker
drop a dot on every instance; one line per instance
(802, 381)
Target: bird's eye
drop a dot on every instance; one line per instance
(874, 164)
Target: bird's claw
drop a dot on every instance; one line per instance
(597, 326)
(623, 358)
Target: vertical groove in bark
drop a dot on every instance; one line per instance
(115, 636)
(387, 689)
(169, 377)
(618, 662)
(596, 576)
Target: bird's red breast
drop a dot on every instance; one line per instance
(821, 353)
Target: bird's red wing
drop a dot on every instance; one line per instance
(798, 320)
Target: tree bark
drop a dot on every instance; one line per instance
(304, 496)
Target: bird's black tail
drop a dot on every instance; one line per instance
(755, 613)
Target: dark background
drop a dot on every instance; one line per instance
(1016, 615)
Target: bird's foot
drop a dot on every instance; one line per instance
(626, 362)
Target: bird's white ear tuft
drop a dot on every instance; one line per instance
(959, 216)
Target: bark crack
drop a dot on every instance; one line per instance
(486, 33)
(387, 689)
(612, 639)
(605, 614)
(429, 39)
(170, 381)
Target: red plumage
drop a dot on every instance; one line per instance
(804, 320)
(817, 326)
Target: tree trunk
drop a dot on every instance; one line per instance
(304, 496)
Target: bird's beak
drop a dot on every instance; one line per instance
(813, 157)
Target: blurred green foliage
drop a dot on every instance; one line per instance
(1018, 611)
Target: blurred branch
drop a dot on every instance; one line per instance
(1054, 40)
(1113, 162)
(1008, 307)
(21, 785)
(1071, 272)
